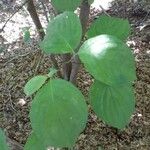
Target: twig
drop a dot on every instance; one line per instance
(54, 61)
(65, 57)
(45, 12)
(146, 16)
(84, 18)
(14, 145)
(23, 55)
(33, 13)
(75, 67)
(10, 100)
(104, 11)
(2, 29)
(66, 66)
(40, 60)
(70, 60)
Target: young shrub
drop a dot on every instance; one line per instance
(59, 112)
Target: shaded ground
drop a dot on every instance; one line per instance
(19, 64)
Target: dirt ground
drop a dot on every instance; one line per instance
(18, 65)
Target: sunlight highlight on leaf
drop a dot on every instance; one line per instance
(100, 45)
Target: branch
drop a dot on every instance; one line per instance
(44, 9)
(66, 66)
(66, 58)
(32, 11)
(55, 63)
(40, 58)
(104, 11)
(14, 145)
(75, 68)
(2, 29)
(23, 55)
(84, 17)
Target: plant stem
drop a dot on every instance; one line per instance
(2, 29)
(55, 64)
(84, 17)
(45, 11)
(66, 66)
(74, 70)
(32, 11)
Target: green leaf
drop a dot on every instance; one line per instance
(58, 113)
(108, 59)
(113, 104)
(33, 143)
(66, 5)
(3, 144)
(63, 34)
(34, 84)
(111, 26)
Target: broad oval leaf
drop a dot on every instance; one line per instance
(3, 144)
(58, 113)
(108, 59)
(113, 104)
(34, 84)
(65, 5)
(33, 143)
(111, 26)
(63, 34)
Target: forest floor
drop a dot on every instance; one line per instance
(18, 65)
